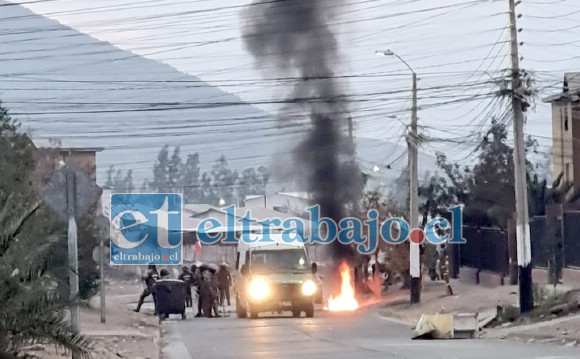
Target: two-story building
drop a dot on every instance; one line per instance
(52, 154)
(566, 133)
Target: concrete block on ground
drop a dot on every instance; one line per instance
(469, 275)
(465, 326)
(490, 279)
(540, 276)
(434, 326)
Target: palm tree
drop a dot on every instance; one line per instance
(31, 311)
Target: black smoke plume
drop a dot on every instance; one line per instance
(294, 38)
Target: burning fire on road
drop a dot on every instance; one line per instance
(346, 300)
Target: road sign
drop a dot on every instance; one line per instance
(87, 192)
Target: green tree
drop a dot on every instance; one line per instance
(191, 181)
(128, 182)
(487, 189)
(224, 181)
(145, 187)
(110, 180)
(174, 172)
(160, 182)
(247, 183)
(120, 182)
(264, 176)
(399, 190)
(31, 309)
(253, 182)
(208, 192)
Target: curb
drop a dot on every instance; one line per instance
(159, 341)
(175, 348)
(521, 329)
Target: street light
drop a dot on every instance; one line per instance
(414, 250)
(391, 53)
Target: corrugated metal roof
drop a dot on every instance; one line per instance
(249, 197)
(303, 195)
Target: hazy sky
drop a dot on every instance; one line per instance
(457, 47)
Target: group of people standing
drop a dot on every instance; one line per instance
(210, 287)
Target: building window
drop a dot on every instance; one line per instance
(567, 172)
(566, 124)
(565, 116)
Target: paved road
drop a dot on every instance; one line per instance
(361, 335)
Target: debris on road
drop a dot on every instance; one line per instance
(487, 316)
(447, 326)
(435, 326)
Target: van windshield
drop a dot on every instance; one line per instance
(279, 260)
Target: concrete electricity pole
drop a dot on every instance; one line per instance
(412, 142)
(414, 249)
(521, 187)
(73, 258)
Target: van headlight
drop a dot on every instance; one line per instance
(308, 288)
(259, 289)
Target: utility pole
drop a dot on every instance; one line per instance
(73, 254)
(521, 186)
(414, 249)
(102, 278)
(413, 144)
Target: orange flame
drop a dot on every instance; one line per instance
(346, 301)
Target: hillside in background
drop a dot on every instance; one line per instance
(63, 84)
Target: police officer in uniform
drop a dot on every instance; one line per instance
(215, 290)
(224, 281)
(187, 277)
(208, 294)
(150, 277)
(444, 269)
(197, 283)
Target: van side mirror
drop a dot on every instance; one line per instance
(314, 268)
(244, 270)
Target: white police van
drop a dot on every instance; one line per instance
(274, 276)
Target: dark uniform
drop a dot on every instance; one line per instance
(187, 277)
(150, 277)
(444, 270)
(208, 294)
(215, 288)
(197, 282)
(224, 282)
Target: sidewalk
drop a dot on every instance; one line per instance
(434, 299)
(125, 334)
(564, 330)
(469, 298)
